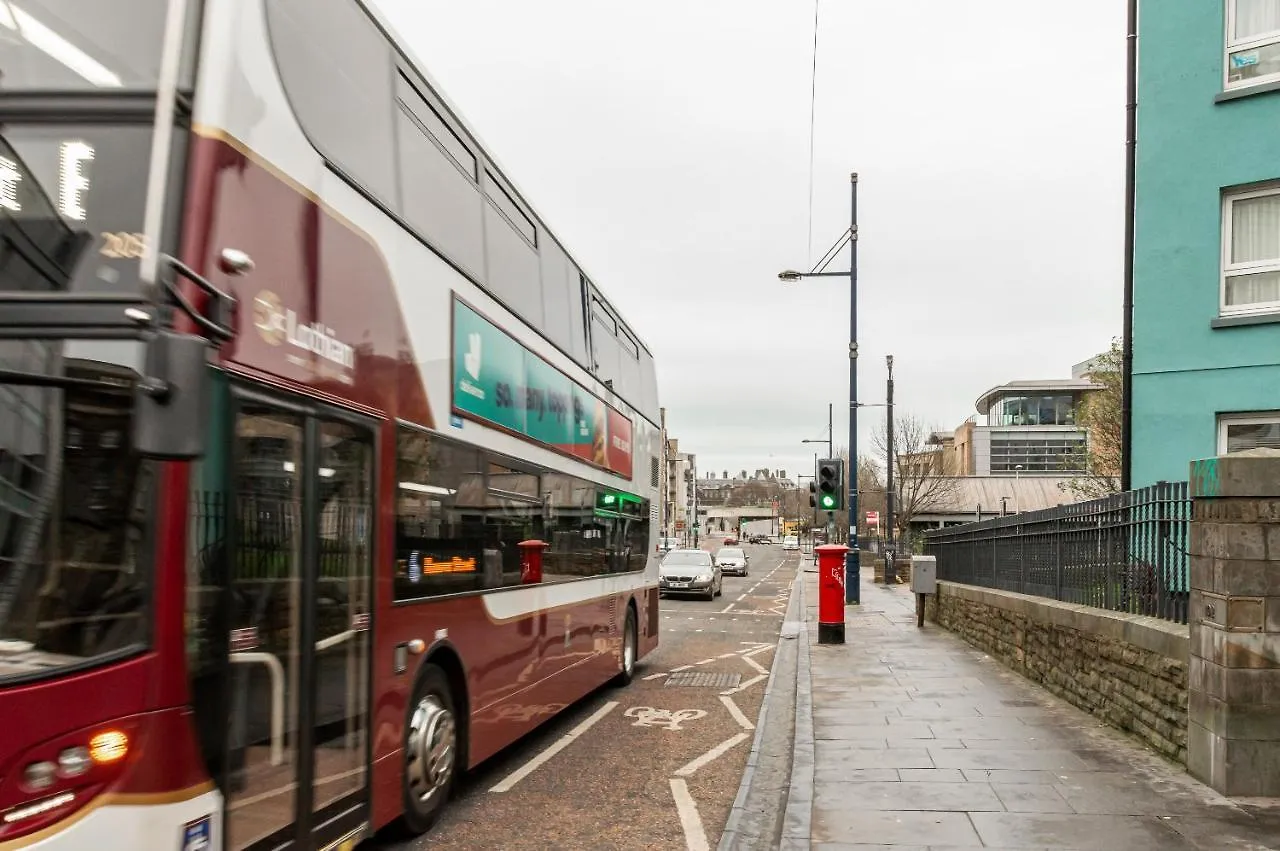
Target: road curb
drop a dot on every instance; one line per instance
(798, 819)
(735, 837)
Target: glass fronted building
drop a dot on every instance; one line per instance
(1030, 428)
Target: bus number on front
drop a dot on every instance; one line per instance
(120, 245)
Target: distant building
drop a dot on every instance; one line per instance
(1017, 454)
(1206, 264)
(680, 492)
(1030, 429)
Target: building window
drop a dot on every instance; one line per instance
(1240, 432)
(1038, 453)
(1253, 42)
(1058, 409)
(1251, 251)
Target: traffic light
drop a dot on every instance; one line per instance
(830, 484)
(813, 494)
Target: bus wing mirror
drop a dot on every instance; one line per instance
(171, 401)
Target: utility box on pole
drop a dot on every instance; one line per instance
(924, 580)
(924, 574)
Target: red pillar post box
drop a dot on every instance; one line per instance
(831, 593)
(531, 561)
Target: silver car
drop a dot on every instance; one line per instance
(691, 572)
(732, 560)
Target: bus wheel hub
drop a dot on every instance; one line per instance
(431, 748)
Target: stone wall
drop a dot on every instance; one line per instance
(1128, 670)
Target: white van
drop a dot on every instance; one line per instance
(790, 542)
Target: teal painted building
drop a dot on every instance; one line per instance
(1206, 323)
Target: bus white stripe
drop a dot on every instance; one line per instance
(505, 605)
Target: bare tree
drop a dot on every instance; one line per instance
(1100, 415)
(919, 471)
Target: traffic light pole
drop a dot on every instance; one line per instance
(852, 591)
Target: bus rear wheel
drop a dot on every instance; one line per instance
(630, 643)
(430, 750)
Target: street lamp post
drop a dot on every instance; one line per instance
(852, 592)
(891, 531)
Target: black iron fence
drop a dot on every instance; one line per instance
(1125, 552)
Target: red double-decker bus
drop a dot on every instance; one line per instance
(325, 471)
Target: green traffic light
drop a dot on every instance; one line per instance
(828, 501)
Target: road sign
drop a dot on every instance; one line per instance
(873, 518)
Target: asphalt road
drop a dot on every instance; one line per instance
(655, 765)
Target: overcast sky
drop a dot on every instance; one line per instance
(667, 144)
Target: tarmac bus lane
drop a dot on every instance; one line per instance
(655, 765)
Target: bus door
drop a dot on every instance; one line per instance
(300, 487)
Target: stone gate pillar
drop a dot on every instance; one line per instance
(1233, 736)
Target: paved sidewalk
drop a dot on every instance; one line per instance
(921, 741)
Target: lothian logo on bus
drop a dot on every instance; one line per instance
(278, 324)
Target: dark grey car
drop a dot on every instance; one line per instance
(691, 572)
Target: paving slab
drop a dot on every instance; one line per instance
(1031, 798)
(906, 795)
(923, 743)
(1094, 833)
(893, 827)
(932, 775)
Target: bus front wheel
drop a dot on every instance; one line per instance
(430, 750)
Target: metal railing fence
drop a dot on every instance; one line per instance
(1124, 552)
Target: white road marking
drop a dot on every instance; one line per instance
(681, 668)
(753, 663)
(745, 685)
(647, 716)
(567, 739)
(740, 599)
(711, 755)
(705, 662)
(656, 676)
(736, 712)
(726, 609)
(759, 650)
(726, 655)
(695, 838)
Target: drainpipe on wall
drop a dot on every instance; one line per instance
(1130, 195)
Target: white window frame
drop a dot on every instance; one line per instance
(1234, 46)
(1249, 418)
(1229, 269)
